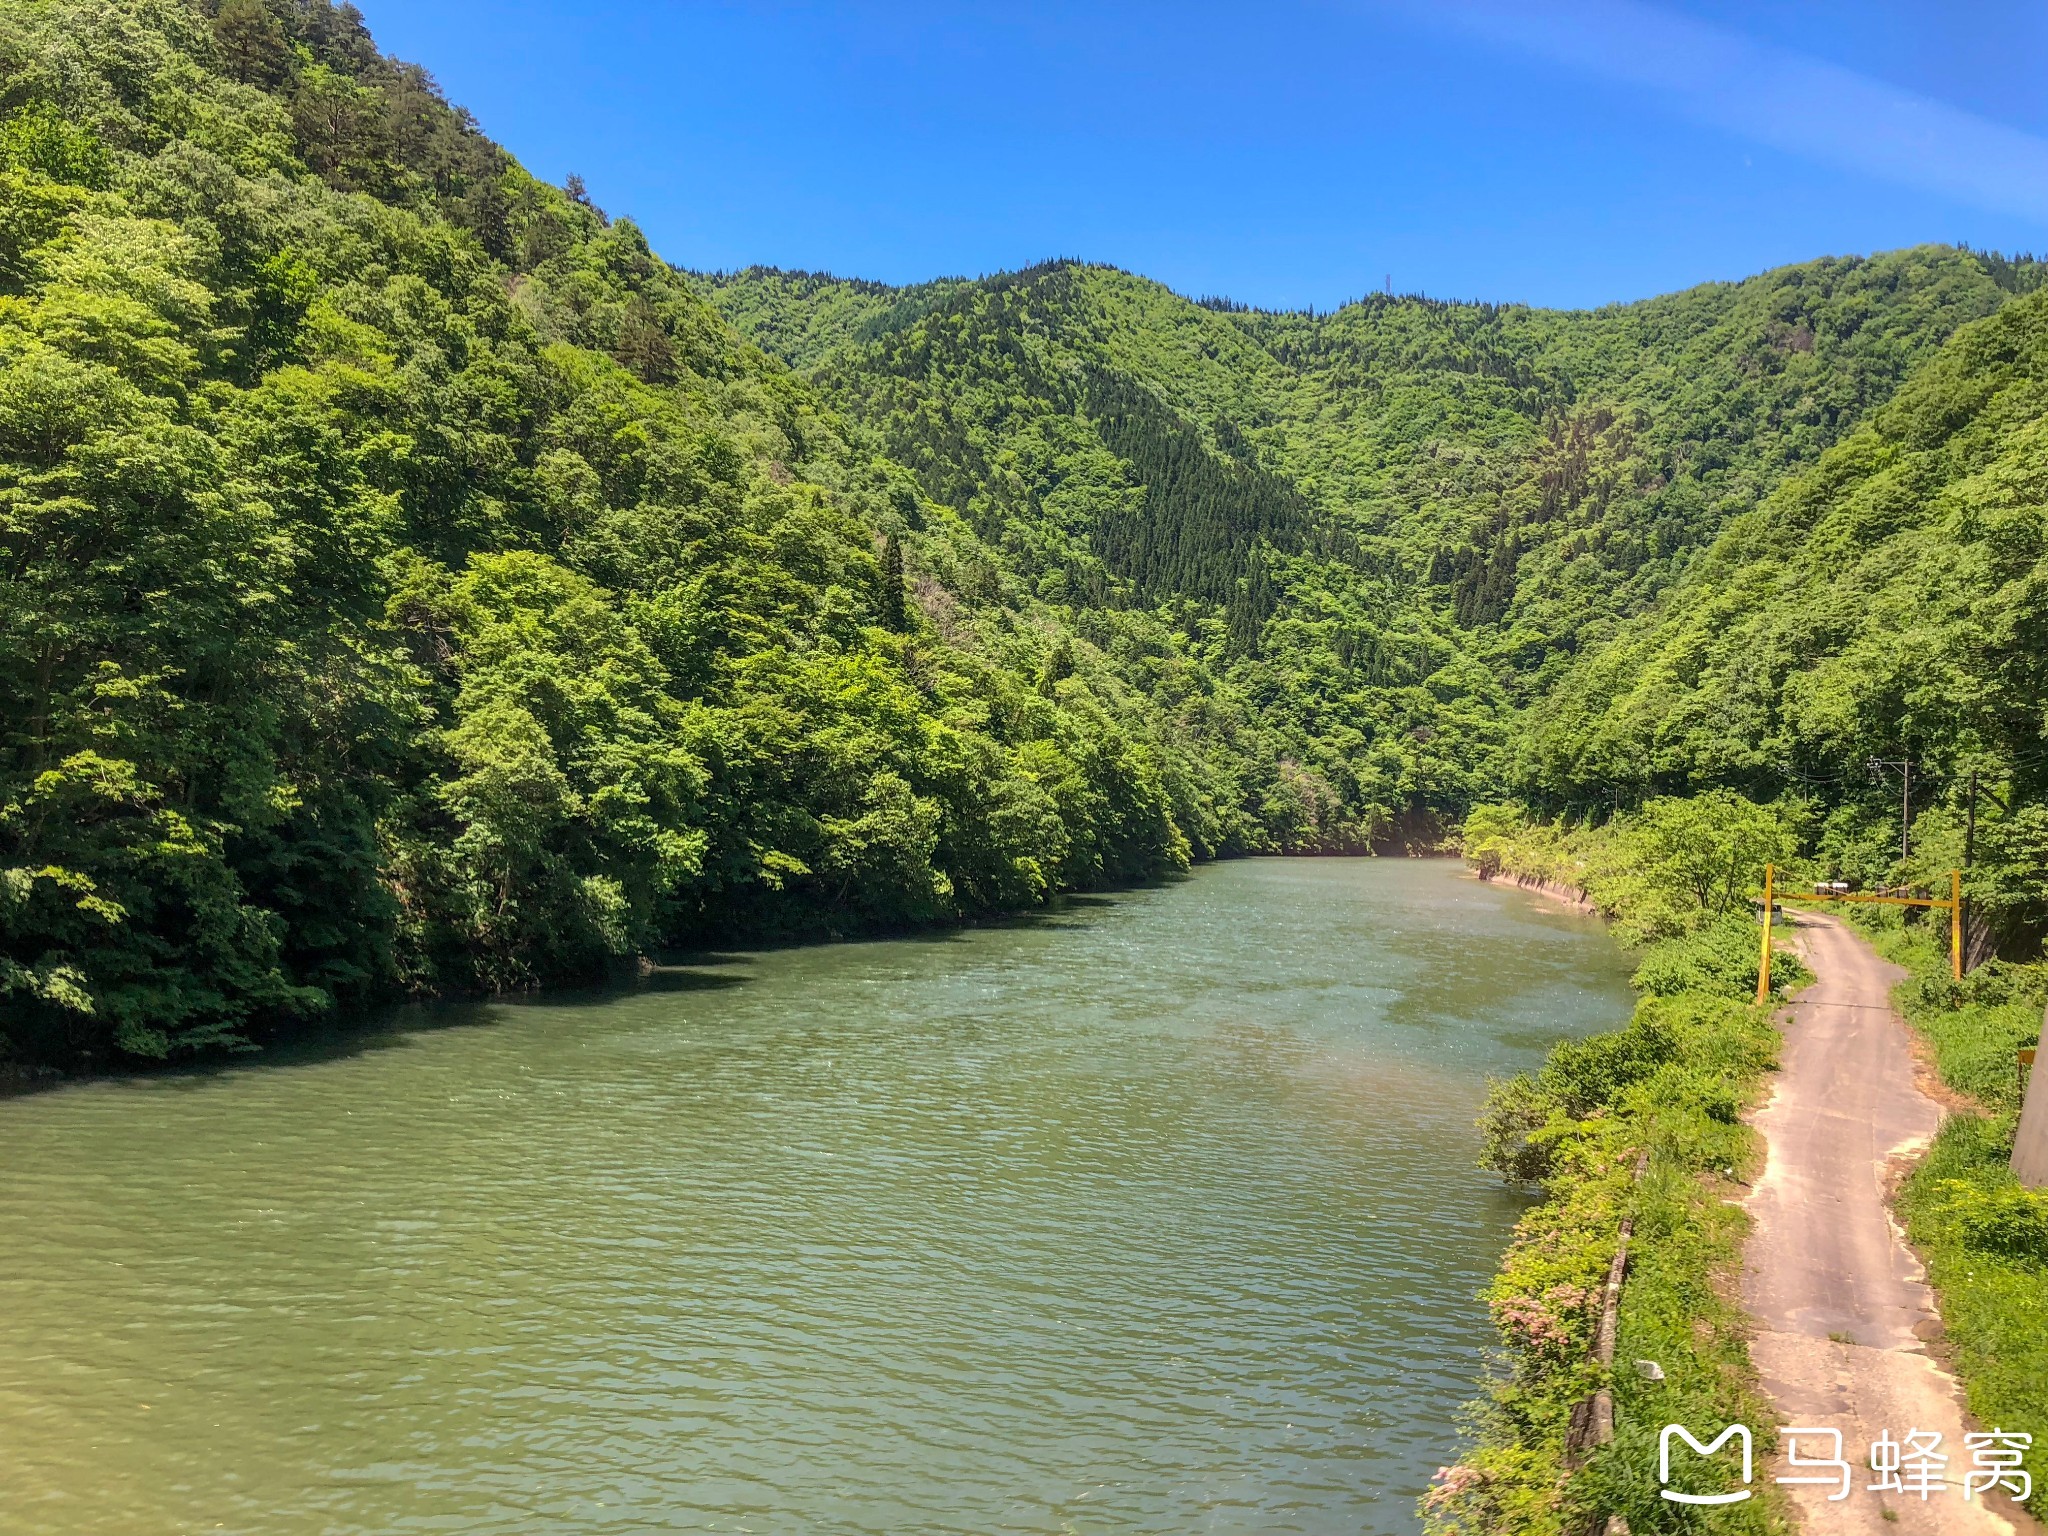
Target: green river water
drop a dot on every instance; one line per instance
(1158, 1214)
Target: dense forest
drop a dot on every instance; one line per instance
(1439, 515)
(411, 583)
(1883, 615)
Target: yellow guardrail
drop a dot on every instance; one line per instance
(1952, 903)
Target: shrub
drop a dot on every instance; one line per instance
(2010, 1222)
(1511, 1128)
(1720, 958)
(1589, 1074)
(1976, 1025)
(1985, 1240)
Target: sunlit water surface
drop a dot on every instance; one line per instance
(1156, 1215)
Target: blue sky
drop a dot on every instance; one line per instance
(1283, 154)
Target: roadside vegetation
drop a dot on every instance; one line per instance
(1674, 877)
(1983, 1236)
(1642, 1123)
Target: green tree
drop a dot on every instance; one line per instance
(38, 138)
(252, 44)
(1707, 852)
(895, 601)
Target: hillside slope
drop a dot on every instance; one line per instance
(1393, 527)
(408, 583)
(1890, 605)
(1532, 472)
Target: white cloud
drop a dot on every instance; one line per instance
(1788, 100)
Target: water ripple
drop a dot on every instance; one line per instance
(1156, 1217)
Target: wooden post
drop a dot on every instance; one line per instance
(1955, 919)
(1592, 1421)
(1763, 969)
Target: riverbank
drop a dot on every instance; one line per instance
(621, 976)
(1641, 1128)
(1551, 890)
(19, 1077)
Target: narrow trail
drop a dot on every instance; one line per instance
(1842, 1308)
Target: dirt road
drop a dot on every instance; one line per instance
(1841, 1307)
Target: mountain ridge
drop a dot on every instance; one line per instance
(1536, 476)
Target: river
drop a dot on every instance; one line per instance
(1155, 1214)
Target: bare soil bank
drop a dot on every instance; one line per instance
(1569, 895)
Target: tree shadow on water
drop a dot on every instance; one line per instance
(303, 1045)
(689, 971)
(396, 1027)
(390, 1028)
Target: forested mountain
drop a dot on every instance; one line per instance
(1407, 524)
(409, 582)
(1520, 460)
(1887, 607)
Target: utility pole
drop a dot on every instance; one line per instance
(2030, 1141)
(1905, 767)
(1978, 937)
(1970, 826)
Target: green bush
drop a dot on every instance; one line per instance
(1720, 958)
(1977, 1026)
(1988, 1214)
(1511, 1130)
(2011, 1222)
(1665, 1093)
(1590, 1074)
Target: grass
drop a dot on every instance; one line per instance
(1975, 1025)
(1678, 1306)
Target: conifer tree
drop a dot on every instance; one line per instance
(895, 606)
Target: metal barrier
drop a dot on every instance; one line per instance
(1952, 904)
